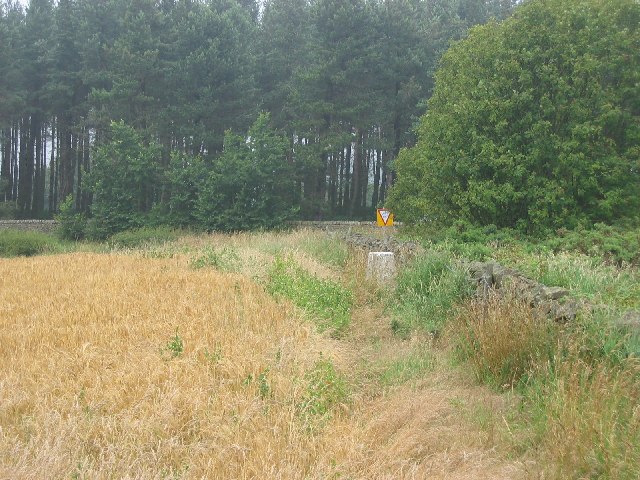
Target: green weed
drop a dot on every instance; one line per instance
(225, 259)
(214, 356)
(326, 389)
(174, 347)
(427, 292)
(329, 303)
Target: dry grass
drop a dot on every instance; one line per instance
(590, 421)
(432, 430)
(503, 338)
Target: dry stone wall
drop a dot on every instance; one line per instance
(45, 226)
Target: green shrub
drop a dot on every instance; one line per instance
(174, 347)
(329, 303)
(71, 224)
(143, 237)
(427, 292)
(15, 243)
(531, 131)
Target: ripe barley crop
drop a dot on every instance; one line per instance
(85, 390)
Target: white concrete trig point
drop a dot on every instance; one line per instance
(381, 267)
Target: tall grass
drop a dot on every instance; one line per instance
(579, 385)
(15, 243)
(328, 302)
(326, 249)
(503, 339)
(427, 292)
(587, 277)
(587, 419)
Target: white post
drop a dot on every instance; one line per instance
(381, 267)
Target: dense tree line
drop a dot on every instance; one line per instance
(343, 81)
(534, 123)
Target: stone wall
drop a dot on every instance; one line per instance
(341, 225)
(45, 226)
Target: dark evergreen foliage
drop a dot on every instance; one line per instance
(344, 82)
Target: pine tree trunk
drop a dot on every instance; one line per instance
(347, 179)
(25, 169)
(15, 160)
(376, 179)
(5, 168)
(357, 169)
(36, 208)
(52, 168)
(65, 155)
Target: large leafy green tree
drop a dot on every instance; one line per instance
(534, 122)
(123, 180)
(251, 184)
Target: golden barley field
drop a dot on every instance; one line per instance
(120, 366)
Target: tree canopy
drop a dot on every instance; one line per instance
(343, 82)
(534, 122)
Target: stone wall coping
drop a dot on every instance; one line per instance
(17, 222)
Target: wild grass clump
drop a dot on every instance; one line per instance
(406, 368)
(328, 302)
(503, 339)
(225, 259)
(585, 276)
(602, 337)
(427, 292)
(587, 420)
(16, 243)
(143, 237)
(579, 384)
(329, 250)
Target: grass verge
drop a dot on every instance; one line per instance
(143, 237)
(426, 293)
(328, 302)
(16, 243)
